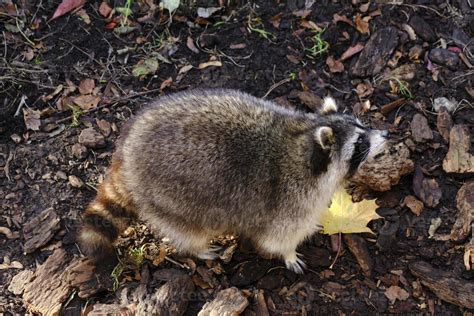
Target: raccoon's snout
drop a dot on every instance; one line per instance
(378, 141)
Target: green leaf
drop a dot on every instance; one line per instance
(150, 66)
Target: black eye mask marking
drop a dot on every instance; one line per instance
(361, 150)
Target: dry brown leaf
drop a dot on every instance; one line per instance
(362, 24)
(191, 46)
(86, 86)
(104, 9)
(415, 205)
(351, 51)
(311, 25)
(86, 102)
(341, 18)
(32, 119)
(275, 20)
(364, 89)
(66, 6)
(334, 65)
(302, 13)
(84, 16)
(211, 63)
(394, 293)
(166, 83)
(29, 54)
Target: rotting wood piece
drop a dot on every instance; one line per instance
(40, 229)
(172, 298)
(445, 285)
(376, 52)
(49, 288)
(465, 206)
(229, 302)
(358, 247)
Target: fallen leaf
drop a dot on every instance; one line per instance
(351, 51)
(334, 65)
(302, 13)
(166, 83)
(170, 5)
(415, 205)
(146, 67)
(104, 9)
(275, 20)
(362, 24)
(67, 6)
(207, 12)
(214, 63)
(345, 216)
(84, 16)
(364, 89)
(29, 54)
(395, 292)
(86, 86)
(435, 224)
(341, 18)
(427, 190)
(86, 102)
(191, 46)
(32, 119)
(311, 25)
(459, 158)
(11, 265)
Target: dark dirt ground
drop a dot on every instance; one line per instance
(37, 164)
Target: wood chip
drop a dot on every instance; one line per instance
(444, 123)
(385, 170)
(420, 129)
(310, 99)
(445, 285)
(19, 281)
(172, 298)
(415, 205)
(458, 159)
(40, 229)
(426, 189)
(376, 52)
(465, 216)
(89, 137)
(49, 289)
(230, 301)
(358, 247)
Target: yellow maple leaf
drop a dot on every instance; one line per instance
(345, 216)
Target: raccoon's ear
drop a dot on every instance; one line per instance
(324, 136)
(328, 106)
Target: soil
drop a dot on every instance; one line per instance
(37, 164)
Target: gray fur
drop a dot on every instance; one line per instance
(205, 162)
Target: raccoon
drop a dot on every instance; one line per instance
(197, 164)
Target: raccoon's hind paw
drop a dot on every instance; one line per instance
(295, 264)
(210, 253)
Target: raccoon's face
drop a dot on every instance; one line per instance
(347, 142)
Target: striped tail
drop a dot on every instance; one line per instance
(106, 217)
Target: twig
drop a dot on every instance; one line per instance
(276, 85)
(338, 251)
(20, 106)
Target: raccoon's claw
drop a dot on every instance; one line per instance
(210, 253)
(295, 264)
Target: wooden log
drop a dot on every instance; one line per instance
(445, 285)
(229, 302)
(49, 288)
(40, 229)
(172, 298)
(376, 52)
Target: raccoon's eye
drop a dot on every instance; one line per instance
(360, 139)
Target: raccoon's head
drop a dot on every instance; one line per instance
(345, 141)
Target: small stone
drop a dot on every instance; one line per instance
(415, 205)
(75, 182)
(420, 129)
(10, 196)
(89, 137)
(444, 102)
(61, 175)
(444, 57)
(79, 151)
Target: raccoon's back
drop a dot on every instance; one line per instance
(218, 152)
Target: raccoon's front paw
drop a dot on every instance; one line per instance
(210, 253)
(295, 264)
